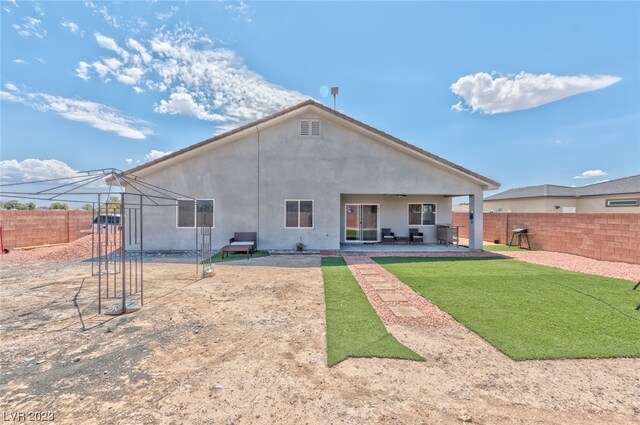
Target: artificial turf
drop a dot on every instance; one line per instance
(353, 327)
(233, 256)
(529, 311)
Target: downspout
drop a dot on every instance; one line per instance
(258, 189)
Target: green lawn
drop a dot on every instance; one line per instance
(353, 327)
(529, 311)
(233, 256)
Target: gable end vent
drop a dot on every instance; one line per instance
(310, 128)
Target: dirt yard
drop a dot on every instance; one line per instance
(248, 346)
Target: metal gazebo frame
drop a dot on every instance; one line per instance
(117, 228)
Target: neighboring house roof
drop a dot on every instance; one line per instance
(337, 114)
(622, 186)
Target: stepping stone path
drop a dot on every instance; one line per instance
(395, 302)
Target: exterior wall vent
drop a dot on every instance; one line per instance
(310, 128)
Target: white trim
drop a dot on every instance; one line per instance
(435, 213)
(313, 214)
(610, 203)
(195, 212)
(379, 220)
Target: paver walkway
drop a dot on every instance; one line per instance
(395, 302)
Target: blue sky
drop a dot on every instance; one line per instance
(524, 93)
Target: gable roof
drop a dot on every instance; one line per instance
(622, 186)
(333, 112)
(543, 190)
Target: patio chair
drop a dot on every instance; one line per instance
(388, 236)
(416, 236)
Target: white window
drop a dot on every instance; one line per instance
(298, 214)
(190, 212)
(623, 202)
(310, 128)
(422, 214)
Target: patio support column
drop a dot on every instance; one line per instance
(475, 221)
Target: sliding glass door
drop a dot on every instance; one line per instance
(361, 222)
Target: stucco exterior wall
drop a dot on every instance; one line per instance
(251, 177)
(597, 204)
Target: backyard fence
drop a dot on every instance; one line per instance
(603, 236)
(22, 228)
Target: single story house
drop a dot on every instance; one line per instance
(307, 174)
(618, 196)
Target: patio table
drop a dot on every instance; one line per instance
(404, 239)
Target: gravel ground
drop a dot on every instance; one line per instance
(577, 263)
(78, 249)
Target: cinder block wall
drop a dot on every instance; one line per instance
(603, 236)
(40, 227)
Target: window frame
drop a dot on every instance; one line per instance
(195, 212)
(422, 204)
(313, 213)
(608, 203)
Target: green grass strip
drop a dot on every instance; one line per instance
(234, 256)
(353, 327)
(529, 311)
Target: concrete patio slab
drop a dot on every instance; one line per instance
(393, 297)
(373, 278)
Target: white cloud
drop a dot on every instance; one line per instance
(114, 21)
(203, 81)
(240, 10)
(155, 154)
(20, 61)
(589, 174)
(35, 169)
(11, 87)
(30, 27)
(41, 60)
(129, 160)
(494, 94)
(181, 102)
(82, 70)
(163, 16)
(37, 7)
(70, 25)
(135, 45)
(110, 44)
(96, 115)
(138, 89)
(10, 97)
